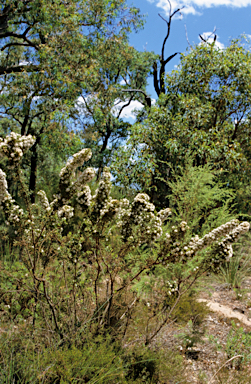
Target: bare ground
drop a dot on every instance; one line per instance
(207, 357)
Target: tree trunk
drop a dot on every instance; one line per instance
(33, 172)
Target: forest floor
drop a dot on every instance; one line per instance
(208, 356)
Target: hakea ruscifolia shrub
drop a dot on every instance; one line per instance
(106, 244)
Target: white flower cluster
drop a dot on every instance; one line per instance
(172, 287)
(84, 197)
(141, 214)
(197, 243)
(66, 212)
(111, 209)
(14, 145)
(142, 203)
(13, 212)
(84, 178)
(173, 240)
(16, 214)
(226, 244)
(76, 161)
(183, 226)
(102, 193)
(3, 185)
(164, 213)
(134, 214)
(124, 207)
(66, 186)
(154, 227)
(44, 201)
(237, 232)
(228, 249)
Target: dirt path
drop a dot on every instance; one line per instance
(227, 311)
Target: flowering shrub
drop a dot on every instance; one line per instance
(87, 260)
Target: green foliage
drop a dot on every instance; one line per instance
(197, 198)
(104, 98)
(189, 309)
(238, 268)
(204, 114)
(190, 314)
(238, 343)
(25, 359)
(153, 366)
(235, 271)
(87, 261)
(51, 63)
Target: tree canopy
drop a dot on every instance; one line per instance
(204, 114)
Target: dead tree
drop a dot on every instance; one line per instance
(159, 68)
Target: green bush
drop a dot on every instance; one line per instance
(239, 343)
(93, 273)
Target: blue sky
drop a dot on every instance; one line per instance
(230, 17)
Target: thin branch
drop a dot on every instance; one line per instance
(170, 58)
(19, 68)
(129, 307)
(14, 44)
(124, 106)
(168, 27)
(228, 361)
(187, 36)
(147, 98)
(17, 36)
(206, 40)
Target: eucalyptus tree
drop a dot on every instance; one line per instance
(49, 53)
(122, 80)
(204, 114)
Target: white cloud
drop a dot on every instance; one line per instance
(191, 6)
(209, 37)
(24, 62)
(127, 112)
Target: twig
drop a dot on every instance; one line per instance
(187, 36)
(129, 307)
(228, 361)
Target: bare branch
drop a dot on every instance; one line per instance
(170, 58)
(212, 34)
(19, 68)
(125, 105)
(14, 44)
(159, 84)
(228, 361)
(168, 22)
(147, 98)
(187, 36)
